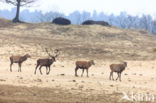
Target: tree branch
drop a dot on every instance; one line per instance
(14, 2)
(25, 3)
(11, 2)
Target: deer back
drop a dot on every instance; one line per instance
(44, 62)
(82, 64)
(15, 59)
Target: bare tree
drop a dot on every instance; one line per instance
(131, 21)
(121, 21)
(48, 17)
(153, 27)
(77, 18)
(18, 4)
(145, 22)
(84, 16)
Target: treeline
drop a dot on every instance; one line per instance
(123, 20)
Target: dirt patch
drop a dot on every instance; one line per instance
(18, 94)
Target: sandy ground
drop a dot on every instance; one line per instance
(105, 45)
(139, 77)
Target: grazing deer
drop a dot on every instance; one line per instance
(19, 60)
(83, 65)
(118, 68)
(46, 62)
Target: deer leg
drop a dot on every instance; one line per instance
(11, 66)
(118, 76)
(112, 76)
(82, 72)
(87, 72)
(40, 70)
(76, 71)
(18, 67)
(36, 68)
(46, 70)
(49, 70)
(111, 73)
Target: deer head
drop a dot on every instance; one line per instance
(56, 51)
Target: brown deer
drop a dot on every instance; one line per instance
(118, 68)
(83, 65)
(46, 62)
(19, 60)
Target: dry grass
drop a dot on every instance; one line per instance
(92, 42)
(15, 94)
(103, 44)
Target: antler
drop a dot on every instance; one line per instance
(48, 52)
(57, 53)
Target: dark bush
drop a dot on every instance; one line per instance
(61, 21)
(91, 22)
(88, 22)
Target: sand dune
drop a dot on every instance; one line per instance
(105, 45)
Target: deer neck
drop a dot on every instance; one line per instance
(123, 68)
(90, 64)
(24, 58)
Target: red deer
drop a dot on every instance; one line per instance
(118, 68)
(83, 65)
(19, 60)
(46, 62)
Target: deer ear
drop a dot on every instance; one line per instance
(57, 52)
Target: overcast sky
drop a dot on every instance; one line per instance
(133, 7)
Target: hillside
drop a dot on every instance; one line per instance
(105, 45)
(76, 41)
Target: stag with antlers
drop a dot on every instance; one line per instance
(47, 62)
